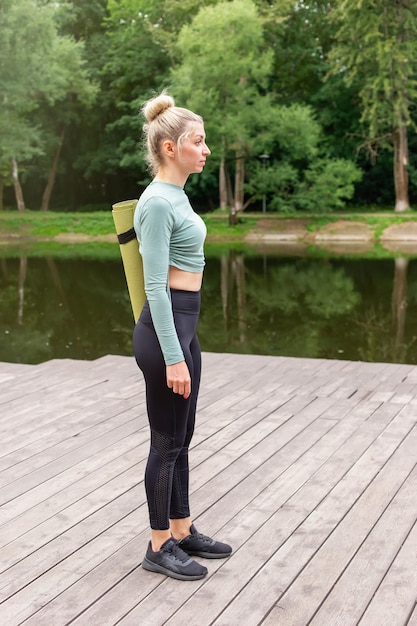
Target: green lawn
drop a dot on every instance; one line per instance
(44, 225)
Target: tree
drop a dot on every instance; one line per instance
(17, 84)
(134, 66)
(133, 61)
(301, 35)
(46, 69)
(301, 174)
(223, 76)
(377, 50)
(78, 22)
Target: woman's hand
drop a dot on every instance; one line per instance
(178, 378)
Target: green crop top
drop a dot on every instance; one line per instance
(169, 233)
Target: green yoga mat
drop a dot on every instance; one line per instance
(132, 261)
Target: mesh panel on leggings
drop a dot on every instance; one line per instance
(160, 472)
(180, 507)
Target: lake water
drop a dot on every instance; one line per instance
(77, 306)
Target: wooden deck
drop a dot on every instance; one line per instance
(307, 467)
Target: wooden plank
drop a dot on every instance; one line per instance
(52, 440)
(91, 475)
(144, 610)
(42, 590)
(10, 371)
(256, 524)
(413, 617)
(260, 547)
(395, 598)
(116, 608)
(24, 492)
(103, 595)
(357, 585)
(306, 466)
(233, 464)
(54, 516)
(309, 587)
(118, 519)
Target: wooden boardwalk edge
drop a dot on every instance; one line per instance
(308, 467)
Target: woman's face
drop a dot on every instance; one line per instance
(193, 151)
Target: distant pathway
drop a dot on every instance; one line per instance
(339, 236)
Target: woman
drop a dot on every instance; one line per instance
(171, 237)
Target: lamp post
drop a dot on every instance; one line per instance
(264, 158)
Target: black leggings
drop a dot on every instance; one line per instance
(171, 417)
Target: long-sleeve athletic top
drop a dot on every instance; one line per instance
(169, 233)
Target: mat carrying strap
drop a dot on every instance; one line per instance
(127, 236)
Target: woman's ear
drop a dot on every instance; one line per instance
(168, 148)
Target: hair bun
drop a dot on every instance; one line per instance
(156, 106)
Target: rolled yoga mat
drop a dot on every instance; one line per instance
(123, 213)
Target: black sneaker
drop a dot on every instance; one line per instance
(197, 544)
(172, 561)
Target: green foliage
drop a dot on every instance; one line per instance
(47, 68)
(278, 181)
(299, 175)
(377, 48)
(301, 39)
(141, 38)
(43, 81)
(254, 69)
(323, 186)
(221, 75)
(328, 184)
(297, 132)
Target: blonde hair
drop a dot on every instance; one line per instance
(164, 120)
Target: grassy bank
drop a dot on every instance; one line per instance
(48, 225)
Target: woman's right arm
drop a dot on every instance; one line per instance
(156, 223)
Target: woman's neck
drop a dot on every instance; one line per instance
(171, 176)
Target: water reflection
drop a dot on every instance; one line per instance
(399, 307)
(266, 304)
(232, 289)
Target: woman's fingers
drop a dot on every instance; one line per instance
(178, 378)
(187, 390)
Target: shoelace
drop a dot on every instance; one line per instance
(177, 552)
(203, 538)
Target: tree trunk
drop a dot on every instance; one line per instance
(52, 173)
(17, 187)
(239, 180)
(237, 206)
(401, 169)
(230, 196)
(230, 202)
(222, 185)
